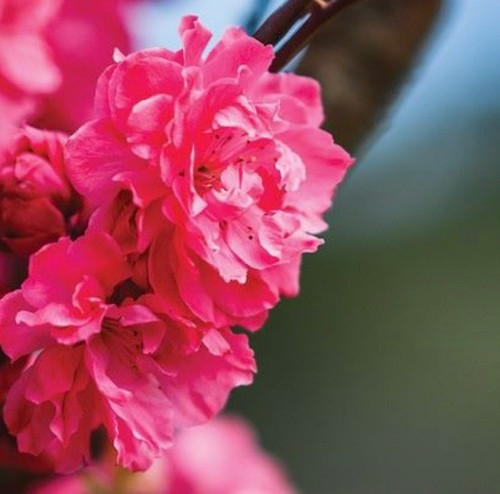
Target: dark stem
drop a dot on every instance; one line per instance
(321, 12)
(280, 21)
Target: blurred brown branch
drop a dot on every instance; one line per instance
(361, 57)
(277, 25)
(320, 12)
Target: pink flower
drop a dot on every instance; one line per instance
(227, 170)
(222, 457)
(82, 37)
(27, 70)
(100, 354)
(37, 203)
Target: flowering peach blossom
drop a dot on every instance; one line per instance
(27, 70)
(98, 353)
(37, 203)
(222, 457)
(227, 172)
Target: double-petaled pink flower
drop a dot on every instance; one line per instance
(227, 171)
(100, 354)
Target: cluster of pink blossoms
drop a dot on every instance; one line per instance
(180, 211)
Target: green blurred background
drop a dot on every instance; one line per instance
(384, 375)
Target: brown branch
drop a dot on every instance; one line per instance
(363, 56)
(280, 21)
(321, 12)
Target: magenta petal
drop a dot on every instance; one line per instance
(236, 50)
(94, 255)
(139, 78)
(181, 290)
(137, 417)
(284, 277)
(299, 97)
(240, 300)
(326, 166)
(51, 409)
(146, 134)
(195, 38)
(51, 380)
(95, 154)
(204, 379)
(18, 339)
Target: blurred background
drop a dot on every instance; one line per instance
(384, 375)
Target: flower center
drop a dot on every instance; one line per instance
(207, 176)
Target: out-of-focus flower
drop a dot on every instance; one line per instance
(37, 203)
(27, 70)
(227, 169)
(100, 354)
(83, 37)
(222, 457)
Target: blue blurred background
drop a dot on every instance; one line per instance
(383, 377)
